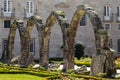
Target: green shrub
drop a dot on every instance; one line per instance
(46, 74)
(79, 50)
(83, 61)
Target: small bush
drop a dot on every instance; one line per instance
(79, 50)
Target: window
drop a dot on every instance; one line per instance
(106, 10)
(7, 23)
(5, 41)
(118, 11)
(32, 46)
(7, 7)
(118, 26)
(110, 43)
(29, 8)
(118, 14)
(4, 48)
(119, 46)
(107, 26)
(83, 21)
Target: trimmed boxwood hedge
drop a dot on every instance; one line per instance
(42, 73)
(82, 61)
(9, 69)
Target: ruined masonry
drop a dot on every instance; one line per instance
(102, 62)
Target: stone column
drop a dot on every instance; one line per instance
(103, 62)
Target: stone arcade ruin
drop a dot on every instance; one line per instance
(103, 60)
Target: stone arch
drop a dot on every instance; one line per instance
(9, 51)
(97, 27)
(33, 20)
(54, 16)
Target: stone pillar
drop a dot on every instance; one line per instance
(109, 68)
(103, 62)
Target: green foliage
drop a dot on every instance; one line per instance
(53, 77)
(117, 62)
(41, 68)
(47, 75)
(1, 63)
(54, 60)
(102, 75)
(30, 66)
(83, 61)
(89, 77)
(70, 71)
(79, 50)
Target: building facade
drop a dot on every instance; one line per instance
(108, 10)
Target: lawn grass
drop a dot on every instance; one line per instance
(20, 77)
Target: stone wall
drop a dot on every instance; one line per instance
(84, 33)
